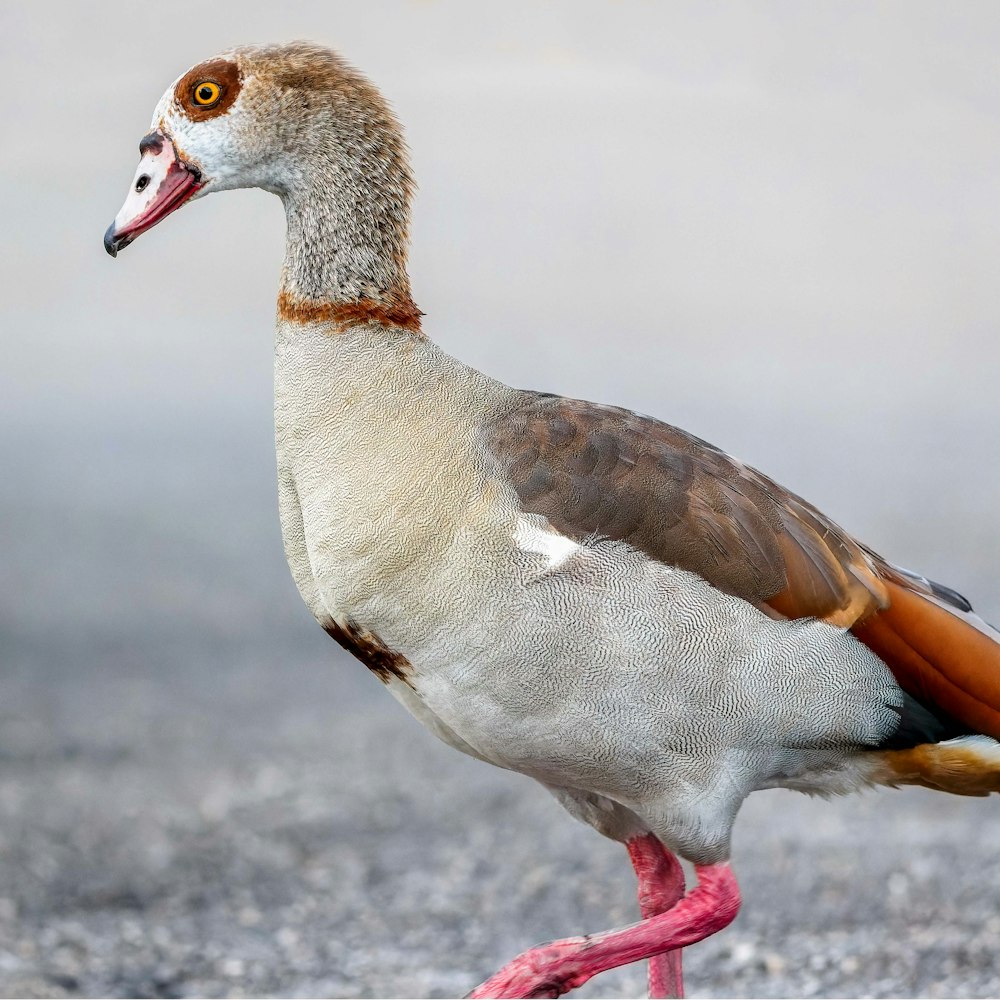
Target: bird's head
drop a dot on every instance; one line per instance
(280, 117)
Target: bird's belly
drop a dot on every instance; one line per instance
(623, 677)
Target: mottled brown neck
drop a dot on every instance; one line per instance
(346, 191)
(397, 311)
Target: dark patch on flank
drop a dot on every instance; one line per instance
(382, 661)
(398, 310)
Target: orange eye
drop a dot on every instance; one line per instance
(206, 93)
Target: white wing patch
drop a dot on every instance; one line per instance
(531, 534)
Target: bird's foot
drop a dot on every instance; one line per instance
(550, 970)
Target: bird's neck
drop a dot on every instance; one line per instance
(347, 210)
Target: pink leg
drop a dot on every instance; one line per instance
(661, 886)
(560, 966)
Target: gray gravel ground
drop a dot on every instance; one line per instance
(773, 223)
(236, 809)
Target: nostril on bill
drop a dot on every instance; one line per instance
(141, 183)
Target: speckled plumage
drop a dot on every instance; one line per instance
(590, 597)
(611, 674)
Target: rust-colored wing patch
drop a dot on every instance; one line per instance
(828, 574)
(941, 655)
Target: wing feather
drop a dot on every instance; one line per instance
(603, 471)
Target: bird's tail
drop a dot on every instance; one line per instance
(968, 765)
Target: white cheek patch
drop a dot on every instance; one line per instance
(542, 541)
(218, 147)
(149, 177)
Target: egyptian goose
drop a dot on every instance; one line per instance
(625, 613)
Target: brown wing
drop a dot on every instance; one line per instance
(601, 470)
(597, 470)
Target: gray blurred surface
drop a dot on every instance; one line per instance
(773, 224)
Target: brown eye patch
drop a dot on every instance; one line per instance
(208, 89)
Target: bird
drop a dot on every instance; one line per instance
(570, 590)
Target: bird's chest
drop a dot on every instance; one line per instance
(377, 481)
(383, 560)
(436, 610)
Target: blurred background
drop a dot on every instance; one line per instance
(774, 224)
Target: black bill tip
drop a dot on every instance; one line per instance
(113, 243)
